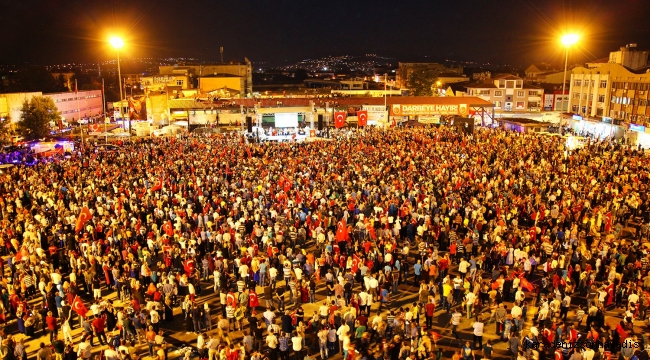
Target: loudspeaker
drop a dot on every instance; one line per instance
(320, 122)
(249, 124)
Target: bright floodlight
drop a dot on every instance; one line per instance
(570, 39)
(117, 42)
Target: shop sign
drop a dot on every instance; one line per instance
(426, 109)
(635, 127)
(607, 120)
(577, 117)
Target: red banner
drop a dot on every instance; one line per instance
(339, 119)
(362, 117)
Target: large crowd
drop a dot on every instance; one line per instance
(498, 227)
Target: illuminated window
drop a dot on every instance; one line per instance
(520, 93)
(520, 105)
(498, 93)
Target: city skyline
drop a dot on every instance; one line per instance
(510, 32)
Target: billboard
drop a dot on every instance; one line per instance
(427, 109)
(376, 114)
(202, 117)
(138, 108)
(286, 120)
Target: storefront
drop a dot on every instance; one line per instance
(639, 135)
(597, 128)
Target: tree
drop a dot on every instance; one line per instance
(5, 130)
(37, 114)
(421, 82)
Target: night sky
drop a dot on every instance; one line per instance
(516, 32)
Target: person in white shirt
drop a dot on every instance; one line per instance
(515, 312)
(470, 298)
(478, 334)
(343, 330)
(588, 354)
(462, 267)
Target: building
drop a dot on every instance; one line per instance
(535, 70)
(235, 85)
(131, 80)
(78, 105)
(72, 105)
(523, 125)
(508, 93)
(629, 57)
(169, 83)
(450, 78)
(404, 71)
(610, 91)
(241, 69)
(11, 104)
(553, 99)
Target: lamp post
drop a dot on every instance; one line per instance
(567, 40)
(117, 44)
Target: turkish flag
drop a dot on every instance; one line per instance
(355, 263)
(341, 231)
(157, 186)
(79, 307)
(393, 123)
(168, 229)
(83, 218)
(524, 283)
(339, 119)
(362, 117)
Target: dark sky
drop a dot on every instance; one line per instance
(514, 32)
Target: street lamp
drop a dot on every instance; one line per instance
(117, 43)
(568, 40)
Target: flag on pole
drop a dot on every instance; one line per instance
(76, 89)
(362, 117)
(339, 119)
(83, 218)
(158, 185)
(79, 307)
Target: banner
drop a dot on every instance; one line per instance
(339, 119)
(426, 109)
(138, 108)
(362, 118)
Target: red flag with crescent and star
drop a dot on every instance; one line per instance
(608, 221)
(79, 307)
(362, 117)
(83, 218)
(168, 228)
(339, 119)
(342, 231)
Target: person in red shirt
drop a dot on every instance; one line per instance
(99, 325)
(51, 326)
(430, 309)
